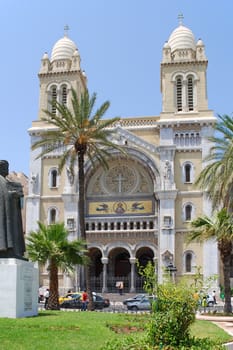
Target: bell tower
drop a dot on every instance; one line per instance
(183, 74)
(185, 125)
(60, 73)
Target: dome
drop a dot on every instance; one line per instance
(200, 43)
(166, 45)
(182, 38)
(63, 49)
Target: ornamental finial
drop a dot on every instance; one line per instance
(66, 28)
(180, 18)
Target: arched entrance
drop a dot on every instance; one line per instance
(143, 256)
(96, 269)
(118, 269)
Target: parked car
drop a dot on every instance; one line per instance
(144, 303)
(75, 302)
(135, 298)
(68, 296)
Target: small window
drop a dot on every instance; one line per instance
(64, 95)
(179, 94)
(99, 226)
(190, 94)
(105, 226)
(93, 226)
(87, 226)
(112, 226)
(118, 225)
(70, 224)
(188, 262)
(54, 178)
(131, 225)
(54, 99)
(188, 212)
(52, 216)
(187, 171)
(167, 221)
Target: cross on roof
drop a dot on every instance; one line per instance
(180, 18)
(66, 28)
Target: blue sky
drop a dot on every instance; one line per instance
(120, 44)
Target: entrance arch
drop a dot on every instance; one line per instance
(144, 255)
(118, 269)
(96, 269)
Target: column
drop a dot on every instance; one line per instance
(132, 275)
(104, 262)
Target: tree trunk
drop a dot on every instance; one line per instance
(53, 303)
(81, 206)
(225, 248)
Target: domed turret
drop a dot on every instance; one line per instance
(63, 49)
(182, 38)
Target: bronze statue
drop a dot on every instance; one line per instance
(12, 243)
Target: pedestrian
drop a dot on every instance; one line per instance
(204, 303)
(120, 288)
(46, 297)
(214, 296)
(84, 300)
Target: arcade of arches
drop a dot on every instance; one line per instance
(106, 273)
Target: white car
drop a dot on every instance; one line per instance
(140, 304)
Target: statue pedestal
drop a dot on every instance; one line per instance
(18, 288)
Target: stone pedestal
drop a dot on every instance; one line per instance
(18, 288)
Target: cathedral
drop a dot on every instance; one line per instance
(140, 209)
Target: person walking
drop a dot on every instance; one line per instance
(120, 288)
(214, 297)
(84, 300)
(46, 297)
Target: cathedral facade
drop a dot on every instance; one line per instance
(140, 209)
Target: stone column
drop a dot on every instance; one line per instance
(104, 262)
(132, 275)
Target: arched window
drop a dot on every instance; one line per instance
(188, 212)
(64, 95)
(54, 178)
(185, 91)
(187, 172)
(188, 262)
(190, 94)
(52, 216)
(53, 99)
(179, 94)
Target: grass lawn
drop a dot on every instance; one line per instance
(58, 330)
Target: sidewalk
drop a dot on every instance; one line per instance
(224, 322)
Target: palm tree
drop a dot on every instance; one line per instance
(220, 228)
(84, 134)
(216, 179)
(50, 245)
(220, 166)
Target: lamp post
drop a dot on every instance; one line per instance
(171, 269)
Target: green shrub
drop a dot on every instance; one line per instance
(173, 313)
(132, 343)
